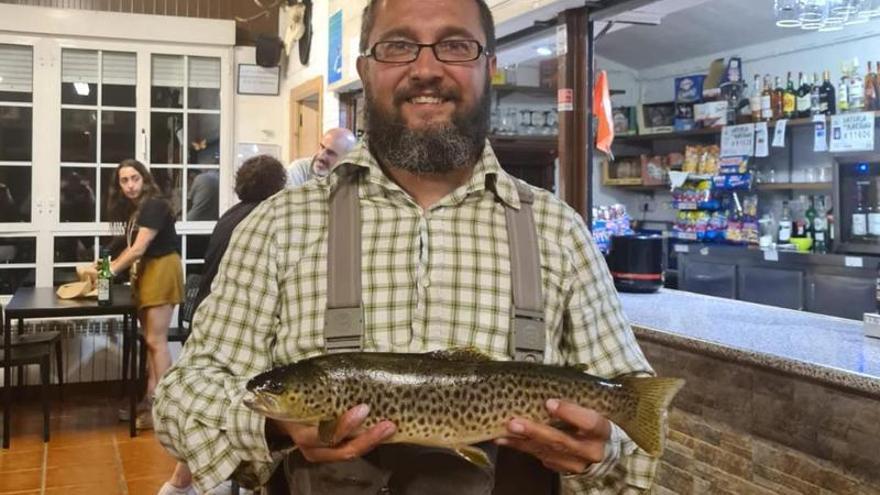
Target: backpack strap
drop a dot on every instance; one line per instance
(528, 337)
(344, 317)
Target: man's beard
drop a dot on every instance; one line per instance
(433, 149)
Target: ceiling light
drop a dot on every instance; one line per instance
(81, 88)
(544, 51)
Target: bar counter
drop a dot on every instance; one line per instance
(824, 348)
(775, 401)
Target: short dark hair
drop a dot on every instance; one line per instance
(368, 20)
(259, 177)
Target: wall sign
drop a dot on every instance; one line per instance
(256, 80)
(852, 132)
(738, 140)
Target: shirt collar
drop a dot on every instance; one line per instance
(487, 175)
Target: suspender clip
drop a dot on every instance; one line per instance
(528, 339)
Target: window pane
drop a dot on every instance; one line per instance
(204, 98)
(74, 249)
(13, 278)
(170, 182)
(79, 93)
(64, 275)
(16, 73)
(107, 174)
(118, 76)
(203, 188)
(117, 136)
(166, 133)
(15, 194)
(196, 246)
(18, 250)
(78, 133)
(204, 139)
(204, 83)
(77, 193)
(117, 95)
(114, 243)
(16, 129)
(195, 269)
(167, 81)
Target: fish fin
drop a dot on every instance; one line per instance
(326, 430)
(474, 455)
(645, 426)
(460, 354)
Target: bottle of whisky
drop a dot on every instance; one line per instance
(827, 95)
(820, 229)
(755, 99)
(843, 91)
(870, 89)
(856, 88)
(815, 96)
(802, 104)
(767, 100)
(776, 99)
(789, 99)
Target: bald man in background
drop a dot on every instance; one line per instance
(335, 144)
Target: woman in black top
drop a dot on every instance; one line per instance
(135, 203)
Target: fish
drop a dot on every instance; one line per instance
(454, 398)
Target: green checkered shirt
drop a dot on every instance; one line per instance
(431, 279)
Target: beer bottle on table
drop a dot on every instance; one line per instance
(105, 279)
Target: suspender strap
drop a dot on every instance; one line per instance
(528, 337)
(344, 318)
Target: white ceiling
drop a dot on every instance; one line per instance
(710, 27)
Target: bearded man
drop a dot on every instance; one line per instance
(424, 241)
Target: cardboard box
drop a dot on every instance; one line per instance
(711, 114)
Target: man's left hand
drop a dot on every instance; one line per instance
(561, 451)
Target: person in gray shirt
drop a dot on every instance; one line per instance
(335, 144)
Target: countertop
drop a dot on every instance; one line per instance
(824, 348)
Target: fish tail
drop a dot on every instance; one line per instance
(645, 427)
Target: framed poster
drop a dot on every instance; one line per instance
(655, 118)
(334, 52)
(256, 80)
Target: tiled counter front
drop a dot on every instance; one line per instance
(740, 428)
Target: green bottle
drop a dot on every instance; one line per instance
(105, 278)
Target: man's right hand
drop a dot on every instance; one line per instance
(349, 439)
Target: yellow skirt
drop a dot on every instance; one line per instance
(159, 281)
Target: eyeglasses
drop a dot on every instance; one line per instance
(404, 52)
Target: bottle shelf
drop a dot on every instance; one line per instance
(795, 186)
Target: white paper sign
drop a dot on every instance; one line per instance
(682, 248)
(771, 255)
(820, 134)
(852, 132)
(738, 140)
(762, 140)
(779, 134)
(256, 80)
(561, 40)
(854, 262)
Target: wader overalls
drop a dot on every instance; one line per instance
(401, 469)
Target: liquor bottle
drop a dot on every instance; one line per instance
(789, 99)
(856, 88)
(755, 99)
(776, 98)
(827, 95)
(810, 217)
(843, 92)
(815, 96)
(785, 224)
(877, 290)
(877, 85)
(803, 105)
(105, 277)
(830, 217)
(870, 89)
(820, 229)
(860, 215)
(767, 100)
(874, 217)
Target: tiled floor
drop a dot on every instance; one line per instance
(89, 452)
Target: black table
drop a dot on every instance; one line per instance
(41, 302)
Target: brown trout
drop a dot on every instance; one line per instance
(454, 398)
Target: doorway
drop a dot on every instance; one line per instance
(306, 111)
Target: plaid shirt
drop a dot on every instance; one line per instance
(431, 279)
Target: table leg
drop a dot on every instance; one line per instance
(21, 369)
(7, 381)
(132, 374)
(126, 350)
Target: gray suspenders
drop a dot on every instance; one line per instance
(344, 317)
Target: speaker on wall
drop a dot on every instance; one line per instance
(269, 49)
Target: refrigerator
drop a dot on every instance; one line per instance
(857, 204)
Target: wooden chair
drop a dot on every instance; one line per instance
(20, 355)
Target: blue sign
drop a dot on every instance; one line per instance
(334, 54)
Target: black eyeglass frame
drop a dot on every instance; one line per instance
(371, 53)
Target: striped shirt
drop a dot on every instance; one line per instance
(432, 279)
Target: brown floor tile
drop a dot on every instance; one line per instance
(80, 438)
(83, 474)
(103, 453)
(143, 460)
(27, 479)
(146, 486)
(17, 460)
(90, 489)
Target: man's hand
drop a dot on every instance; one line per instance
(563, 452)
(349, 439)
